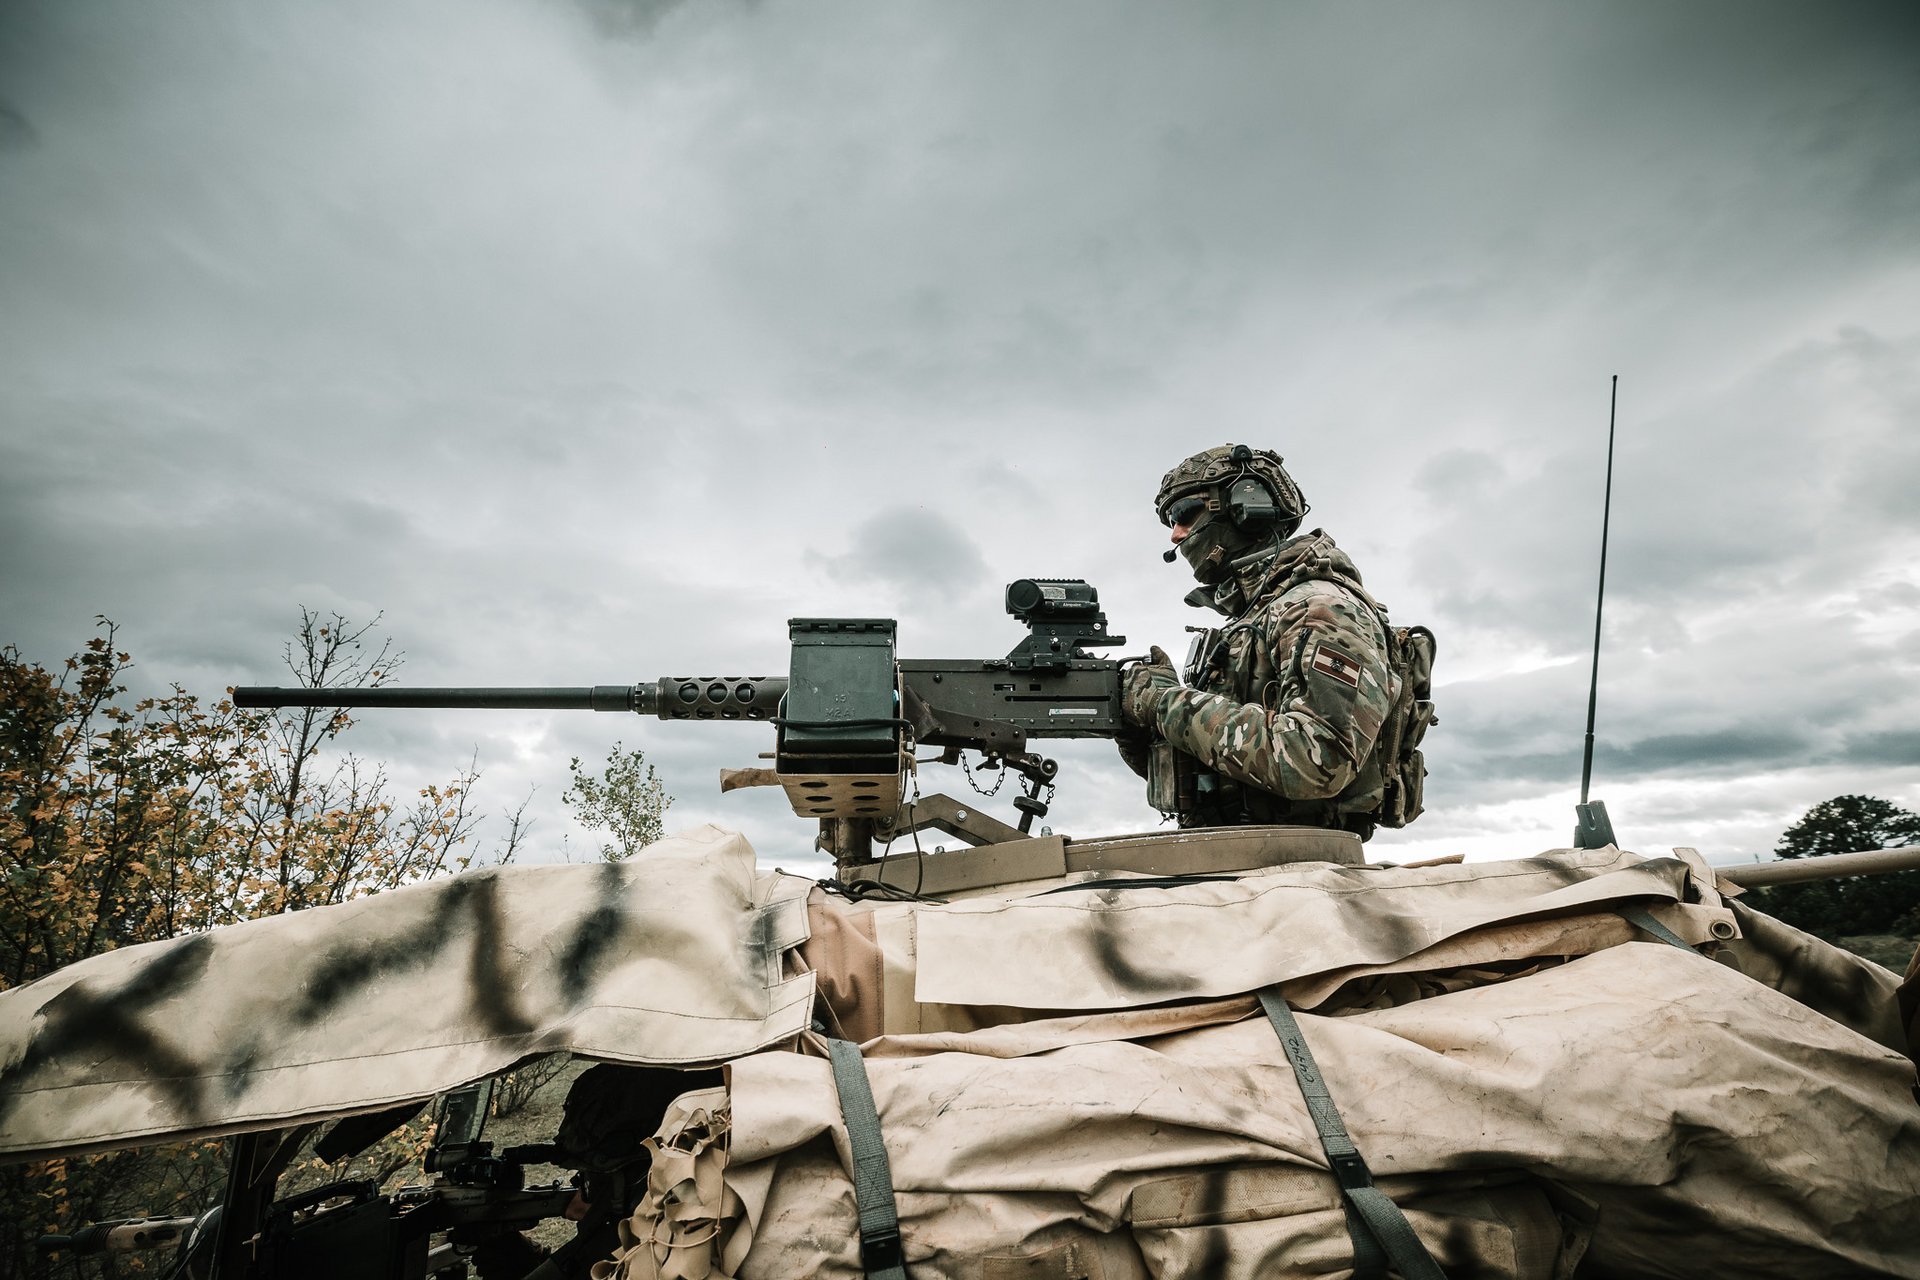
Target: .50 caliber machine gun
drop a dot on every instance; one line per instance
(848, 715)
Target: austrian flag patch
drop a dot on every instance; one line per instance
(1329, 661)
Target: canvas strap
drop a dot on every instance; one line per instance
(1380, 1227)
(1642, 919)
(880, 1252)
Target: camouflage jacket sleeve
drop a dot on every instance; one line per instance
(1309, 686)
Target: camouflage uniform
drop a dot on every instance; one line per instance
(1283, 712)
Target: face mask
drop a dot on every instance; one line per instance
(1208, 549)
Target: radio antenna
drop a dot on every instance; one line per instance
(1592, 830)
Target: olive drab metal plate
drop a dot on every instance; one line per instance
(840, 752)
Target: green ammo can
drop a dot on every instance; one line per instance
(840, 697)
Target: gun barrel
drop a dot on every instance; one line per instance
(599, 697)
(1829, 866)
(672, 698)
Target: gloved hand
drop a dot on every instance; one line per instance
(1135, 745)
(1144, 687)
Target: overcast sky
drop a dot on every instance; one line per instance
(588, 341)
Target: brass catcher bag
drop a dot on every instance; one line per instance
(1173, 778)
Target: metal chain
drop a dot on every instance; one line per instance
(998, 783)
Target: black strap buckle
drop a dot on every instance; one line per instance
(880, 1250)
(1351, 1171)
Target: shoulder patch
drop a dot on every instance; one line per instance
(1332, 662)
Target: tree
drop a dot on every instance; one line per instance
(103, 808)
(315, 828)
(126, 821)
(518, 1087)
(129, 822)
(1856, 905)
(1850, 824)
(627, 801)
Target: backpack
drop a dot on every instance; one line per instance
(1403, 770)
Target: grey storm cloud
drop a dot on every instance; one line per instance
(1711, 752)
(919, 552)
(587, 342)
(16, 131)
(1900, 747)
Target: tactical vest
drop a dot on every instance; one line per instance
(1386, 791)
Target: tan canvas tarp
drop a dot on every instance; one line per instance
(673, 957)
(1526, 1109)
(1117, 947)
(1372, 935)
(1705, 1123)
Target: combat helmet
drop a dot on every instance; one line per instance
(1235, 499)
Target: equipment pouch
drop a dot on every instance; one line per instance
(1403, 769)
(1408, 796)
(1172, 779)
(1200, 654)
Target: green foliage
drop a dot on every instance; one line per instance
(1850, 824)
(126, 820)
(627, 802)
(1856, 905)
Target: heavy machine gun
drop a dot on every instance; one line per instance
(848, 716)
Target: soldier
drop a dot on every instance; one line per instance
(611, 1109)
(1282, 705)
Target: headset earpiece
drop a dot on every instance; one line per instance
(1250, 503)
